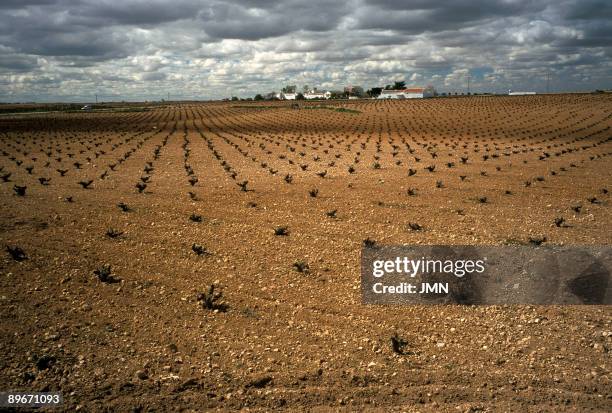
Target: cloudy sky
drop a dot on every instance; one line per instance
(62, 50)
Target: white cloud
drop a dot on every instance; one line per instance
(137, 50)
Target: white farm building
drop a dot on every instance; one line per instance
(288, 96)
(317, 95)
(511, 93)
(409, 93)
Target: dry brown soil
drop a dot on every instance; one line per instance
(280, 338)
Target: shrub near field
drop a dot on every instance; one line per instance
(205, 255)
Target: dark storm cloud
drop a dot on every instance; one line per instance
(596, 33)
(589, 9)
(139, 12)
(417, 16)
(220, 46)
(20, 4)
(53, 34)
(88, 44)
(458, 10)
(153, 76)
(16, 63)
(232, 20)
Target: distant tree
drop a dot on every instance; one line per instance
(387, 87)
(374, 92)
(234, 98)
(259, 97)
(356, 91)
(299, 96)
(289, 89)
(399, 85)
(306, 89)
